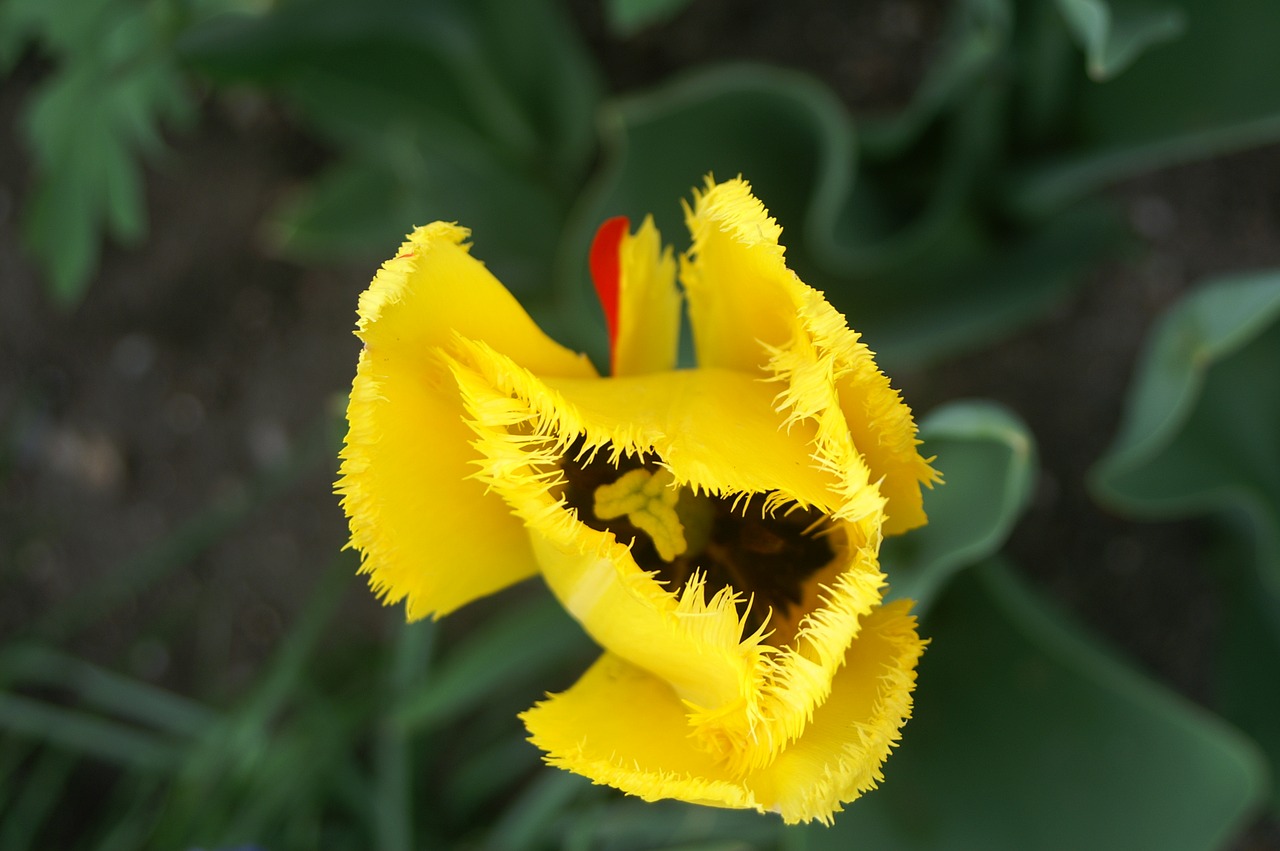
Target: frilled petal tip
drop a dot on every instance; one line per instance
(426, 531)
(649, 304)
(750, 312)
(623, 727)
(718, 433)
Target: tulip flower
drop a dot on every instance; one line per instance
(715, 529)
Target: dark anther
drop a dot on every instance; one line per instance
(769, 556)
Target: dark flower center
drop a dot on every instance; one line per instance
(734, 542)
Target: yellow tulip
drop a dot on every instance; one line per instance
(716, 530)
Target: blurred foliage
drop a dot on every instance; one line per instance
(936, 227)
(438, 110)
(1202, 436)
(1014, 692)
(1113, 34)
(115, 81)
(990, 461)
(627, 17)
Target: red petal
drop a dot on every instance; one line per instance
(606, 271)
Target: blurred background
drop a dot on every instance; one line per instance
(1057, 223)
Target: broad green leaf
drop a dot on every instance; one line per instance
(988, 461)
(1247, 673)
(1207, 93)
(374, 54)
(361, 208)
(783, 131)
(360, 205)
(128, 815)
(628, 17)
(473, 112)
(1200, 436)
(1028, 733)
(665, 142)
(1201, 424)
(1114, 33)
(905, 250)
(963, 285)
(973, 49)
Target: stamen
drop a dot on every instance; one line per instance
(648, 500)
(764, 549)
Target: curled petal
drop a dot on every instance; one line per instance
(649, 305)
(716, 432)
(620, 725)
(840, 754)
(426, 531)
(749, 312)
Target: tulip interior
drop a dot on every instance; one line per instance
(767, 555)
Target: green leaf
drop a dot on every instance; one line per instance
(87, 127)
(83, 732)
(492, 658)
(128, 698)
(488, 775)
(957, 284)
(44, 791)
(972, 51)
(243, 773)
(1199, 437)
(628, 17)
(361, 208)
(1247, 673)
(906, 252)
(630, 824)
(1206, 94)
(438, 110)
(394, 753)
(354, 207)
(1029, 734)
(988, 461)
(525, 820)
(781, 130)
(1200, 426)
(1114, 33)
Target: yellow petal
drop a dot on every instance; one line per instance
(525, 426)
(736, 279)
(427, 532)
(841, 752)
(717, 432)
(623, 727)
(648, 305)
(750, 312)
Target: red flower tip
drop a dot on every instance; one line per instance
(606, 272)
